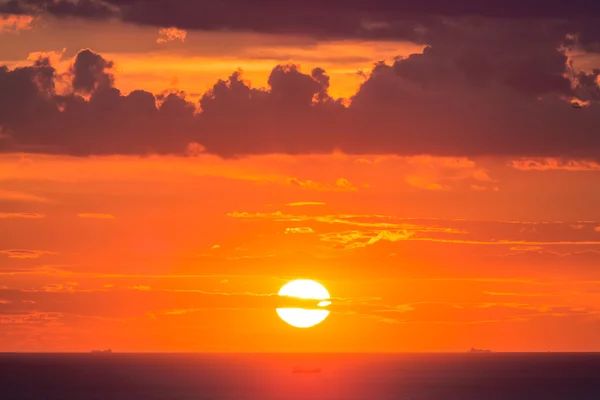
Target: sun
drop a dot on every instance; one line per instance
(304, 289)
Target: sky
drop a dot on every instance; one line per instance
(167, 166)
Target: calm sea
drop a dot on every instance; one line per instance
(269, 376)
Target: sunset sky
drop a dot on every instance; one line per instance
(167, 165)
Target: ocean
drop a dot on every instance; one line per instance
(495, 376)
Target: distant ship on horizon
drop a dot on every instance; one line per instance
(107, 351)
(474, 350)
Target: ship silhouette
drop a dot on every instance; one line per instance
(474, 350)
(107, 351)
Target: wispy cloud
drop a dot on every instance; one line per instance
(21, 216)
(421, 183)
(358, 239)
(305, 203)
(365, 221)
(303, 230)
(24, 254)
(68, 287)
(340, 185)
(524, 294)
(21, 197)
(96, 216)
(554, 164)
(143, 288)
(181, 311)
(248, 257)
(508, 242)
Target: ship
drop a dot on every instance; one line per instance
(107, 351)
(474, 350)
(299, 370)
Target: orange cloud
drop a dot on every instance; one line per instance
(68, 287)
(25, 254)
(305, 203)
(421, 183)
(169, 34)
(15, 23)
(299, 230)
(143, 288)
(340, 185)
(359, 239)
(21, 197)
(441, 173)
(96, 216)
(366, 221)
(554, 164)
(21, 216)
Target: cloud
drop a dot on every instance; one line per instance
(91, 72)
(340, 185)
(24, 254)
(441, 173)
(136, 301)
(9, 195)
(520, 237)
(523, 294)
(305, 203)
(418, 182)
(358, 239)
(357, 220)
(141, 288)
(337, 18)
(15, 23)
(302, 230)
(68, 287)
(181, 311)
(21, 216)
(554, 164)
(96, 216)
(91, 9)
(251, 257)
(34, 318)
(479, 88)
(169, 34)
(477, 312)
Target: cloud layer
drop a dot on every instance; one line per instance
(480, 87)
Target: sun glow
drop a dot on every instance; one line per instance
(307, 290)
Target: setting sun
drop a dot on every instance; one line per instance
(304, 289)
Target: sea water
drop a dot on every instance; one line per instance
(495, 376)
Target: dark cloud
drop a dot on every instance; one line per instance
(91, 9)
(90, 72)
(403, 19)
(479, 88)
(587, 85)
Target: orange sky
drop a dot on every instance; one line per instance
(185, 253)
